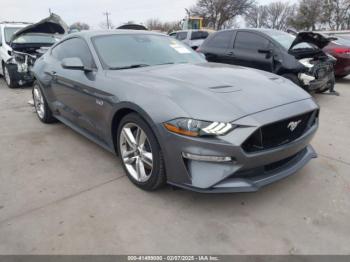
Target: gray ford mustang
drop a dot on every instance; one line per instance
(171, 116)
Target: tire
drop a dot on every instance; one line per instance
(294, 78)
(8, 77)
(134, 151)
(42, 109)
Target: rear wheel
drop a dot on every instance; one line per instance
(140, 153)
(11, 83)
(41, 107)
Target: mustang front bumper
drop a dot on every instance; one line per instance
(247, 172)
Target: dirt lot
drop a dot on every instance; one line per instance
(62, 194)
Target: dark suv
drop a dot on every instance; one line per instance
(299, 58)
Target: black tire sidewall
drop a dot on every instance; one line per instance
(157, 175)
(48, 118)
(12, 83)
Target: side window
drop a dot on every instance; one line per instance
(196, 35)
(181, 36)
(0, 36)
(74, 47)
(250, 41)
(221, 39)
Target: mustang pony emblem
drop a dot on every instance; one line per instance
(293, 125)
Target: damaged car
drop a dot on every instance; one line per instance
(298, 58)
(27, 45)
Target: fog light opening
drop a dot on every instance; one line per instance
(207, 158)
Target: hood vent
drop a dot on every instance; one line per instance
(224, 89)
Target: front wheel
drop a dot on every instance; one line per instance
(41, 107)
(140, 153)
(11, 83)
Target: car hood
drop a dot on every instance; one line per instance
(316, 39)
(211, 91)
(50, 25)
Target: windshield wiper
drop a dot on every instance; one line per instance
(128, 67)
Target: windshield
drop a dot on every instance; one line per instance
(122, 51)
(9, 31)
(40, 39)
(286, 40)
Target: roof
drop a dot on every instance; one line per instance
(263, 30)
(92, 33)
(14, 24)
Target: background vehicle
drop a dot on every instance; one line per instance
(298, 58)
(7, 29)
(26, 45)
(340, 49)
(133, 27)
(173, 117)
(192, 38)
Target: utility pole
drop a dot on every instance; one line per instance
(107, 14)
(50, 12)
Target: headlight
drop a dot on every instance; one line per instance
(191, 127)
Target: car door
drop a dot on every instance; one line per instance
(216, 49)
(252, 50)
(77, 98)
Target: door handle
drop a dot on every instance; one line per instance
(231, 53)
(54, 73)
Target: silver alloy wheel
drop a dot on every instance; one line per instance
(39, 102)
(136, 152)
(7, 76)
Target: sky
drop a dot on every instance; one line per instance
(91, 12)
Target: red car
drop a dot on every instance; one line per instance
(340, 49)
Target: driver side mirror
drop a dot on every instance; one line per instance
(73, 63)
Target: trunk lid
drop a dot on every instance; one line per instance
(316, 39)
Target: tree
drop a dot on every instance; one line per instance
(79, 26)
(156, 24)
(308, 15)
(279, 14)
(336, 14)
(256, 16)
(219, 13)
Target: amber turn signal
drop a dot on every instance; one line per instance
(180, 131)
